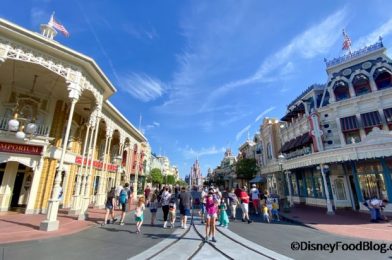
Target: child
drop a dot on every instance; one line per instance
(172, 211)
(153, 208)
(275, 211)
(139, 215)
(266, 214)
(223, 218)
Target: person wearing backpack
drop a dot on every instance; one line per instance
(123, 201)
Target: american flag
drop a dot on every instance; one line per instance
(346, 42)
(55, 24)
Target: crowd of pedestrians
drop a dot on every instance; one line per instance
(213, 206)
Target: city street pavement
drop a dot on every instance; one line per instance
(279, 237)
(121, 242)
(343, 222)
(109, 242)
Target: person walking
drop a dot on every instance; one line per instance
(139, 214)
(109, 206)
(165, 200)
(266, 216)
(147, 192)
(124, 199)
(211, 214)
(172, 210)
(244, 197)
(223, 218)
(202, 211)
(233, 203)
(185, 201)
(153, 207)
(254, 193)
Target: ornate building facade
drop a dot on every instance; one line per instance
(337, 141)
(62, 143)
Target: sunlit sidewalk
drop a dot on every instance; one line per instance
(343, 222)
(17, 227)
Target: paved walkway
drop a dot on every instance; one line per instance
(17, 227)
(344, 222)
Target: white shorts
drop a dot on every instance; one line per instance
(245, 207)
(212, 216)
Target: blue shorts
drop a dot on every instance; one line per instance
(153, 210)
(185, 211)
(274, 211)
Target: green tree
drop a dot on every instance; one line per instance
(156, 176)
(181, 183)
(246, 168)
(170, 179)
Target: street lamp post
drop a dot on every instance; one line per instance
(323, 168)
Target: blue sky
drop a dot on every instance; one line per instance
(202, 74)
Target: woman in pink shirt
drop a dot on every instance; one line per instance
(211, 214)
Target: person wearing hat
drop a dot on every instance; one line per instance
(255, 196)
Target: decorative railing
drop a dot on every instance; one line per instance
(355, 54)
(42, 130)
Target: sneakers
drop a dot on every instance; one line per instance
(185, 226)
(182, 225)
(249, 221)
(121, 223)
(243, 220)
(165, 224)
(206, 239)
(213, 239)
(114, 221)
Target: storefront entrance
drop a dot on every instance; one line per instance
(340, 191)
(17, 189)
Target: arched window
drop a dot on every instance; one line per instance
(341, 91)
(361, 85)
(383, 78)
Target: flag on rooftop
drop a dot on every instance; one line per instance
(346, 42)
(57, 25)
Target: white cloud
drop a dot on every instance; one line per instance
(315, 41)
(264, 113)
(383, 31)
(243, 131)
(142, 87)
(190, 153)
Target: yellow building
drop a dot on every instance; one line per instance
(62, 143)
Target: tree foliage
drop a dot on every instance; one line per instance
(246, 168)
(170, 179)
(156, 176)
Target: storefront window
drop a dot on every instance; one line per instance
(309, 184)
(301, 185)
(371, 180)
(294, 185)
(318, 183)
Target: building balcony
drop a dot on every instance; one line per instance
(40, 130)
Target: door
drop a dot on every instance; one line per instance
(17, 188)
(340, 191)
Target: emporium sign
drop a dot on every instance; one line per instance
(20, 148)
(97, 164)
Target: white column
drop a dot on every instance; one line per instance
(51, 222)
(329, 203)
(34, 187)
(85, 170)
(86, 200)
(76, 197)
(101, 190)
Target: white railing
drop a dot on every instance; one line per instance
(42, 130)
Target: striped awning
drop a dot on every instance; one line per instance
(349, 123)
(388, 115)
(371, 119)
